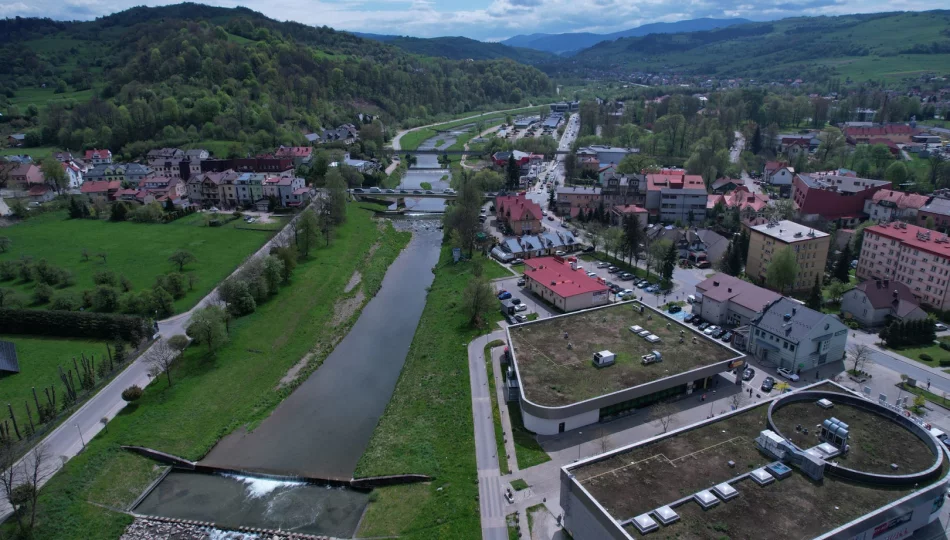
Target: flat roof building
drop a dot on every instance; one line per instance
(810, 246)
(673, 195)
(833, 197)
(766, 471)
(657, 357)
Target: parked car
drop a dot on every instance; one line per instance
(675, 309)
(521, 307)
(727, 337)
(357, 190)
(704, 326)
(612, 269)
(940, 327)
(748, 374)
(521, 317)
(430, 192)
(626, 276)
(717, 333)
(560, 253)
(516, 301)
(710, 329)
(588, 249)
(517, 261)
(504, 295)
(550, 218)
(788, 374)
(603, 265)
(768, 384)
(643, 284)
(688, 318)
(697, 320)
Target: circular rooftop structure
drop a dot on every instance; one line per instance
(883, 446)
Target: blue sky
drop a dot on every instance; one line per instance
(481, 19)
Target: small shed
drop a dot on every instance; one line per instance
(8, 359)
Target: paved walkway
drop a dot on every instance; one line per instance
(67, 440)
(499, 375)
(490, 487)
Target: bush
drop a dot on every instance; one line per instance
(8, 270)
(105, 277)
(66, 301)
(945, 346)
(78, 324)
(132, 393)
(926, 357)
(42, 293)
(852, 325)
(149, 213)
(105, 299)
(945, 362)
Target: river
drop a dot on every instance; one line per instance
(428, 170)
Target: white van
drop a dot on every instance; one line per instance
(691, 299)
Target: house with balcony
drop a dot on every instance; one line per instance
(674, 196)
(889, 205)
(282, 188)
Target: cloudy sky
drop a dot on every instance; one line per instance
(480, 19)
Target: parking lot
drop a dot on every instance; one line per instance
(526, 296)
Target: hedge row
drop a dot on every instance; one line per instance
(105, 326)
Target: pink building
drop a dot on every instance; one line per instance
(912, 255)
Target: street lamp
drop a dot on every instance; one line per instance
(80, 436)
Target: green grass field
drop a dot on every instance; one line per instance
(890, 68)
(39, 360)
(427, 427)
(412, 140)
(40, 96)
(38, 153)
(212, 396)
(136, 250)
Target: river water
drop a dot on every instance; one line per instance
(322, 429)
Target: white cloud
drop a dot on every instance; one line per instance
(491, 19)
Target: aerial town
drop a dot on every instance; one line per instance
(264, 279)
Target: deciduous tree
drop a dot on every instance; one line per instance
(208, 328)
(181, 258)
(783, 269)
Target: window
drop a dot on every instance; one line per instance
(791, 348)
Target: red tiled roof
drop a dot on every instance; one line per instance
(557, 275)
(630, 209)
(674, 180)
(742, 198)
(301, 191)
(90, 154)
(915, 237)
(517, 208)
(877, 131)
(38, 190)
(293, 151)
(102, 186)
(881, 293)
(773, 166)
(901, 199)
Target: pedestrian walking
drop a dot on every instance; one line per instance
(928, 384)
(704, 397)
(750, 392)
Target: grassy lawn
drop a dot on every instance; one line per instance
(511, 520)
(936, 354)
(38, 153)
(412, 140)
(40, 96)
(519, 484)
(39, 360)
(212, 396)
(495, 412)
(427, 427)
(527, 449)
(138, 251)
(929, 396)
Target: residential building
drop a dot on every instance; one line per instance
(282, 188)
(73, 174)
(725, 185)
(570, 200)
(98, 157)
(539, 245)
(206, 189)
(619, 213)
(248, 188)
(41, 193)
(807, 143)
(811, 247)
(191, 165)
(789, 335)
(771, 167)
(23, 176)
(359, 164)
(100, 191)
(877, 302)
(300, 154)
(748, 203)
(131, 173)
(345, 133)
(523, 159)
(937, 209)
(672, 195)
(160, 186)
(166, 161)
(833, 197)
(622, 190)
(299, 197)
(725, 300)
(16, 139)
(259, 164)
(519, 214)
(563, 284)
(912, 255)
(779, 177)
(890, 205)
(606, 155)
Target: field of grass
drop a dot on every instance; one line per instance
(38, 153)
(212, 396)
(890, 68)
(136, 250)
(427, 427)
(934, 351)
(412, 140)
(41, 96)
(39, 360)
(527, 449)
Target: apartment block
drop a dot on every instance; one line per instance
(811, 247)
(912, 255)
(673, 195)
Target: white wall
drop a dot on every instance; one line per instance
(542, 426)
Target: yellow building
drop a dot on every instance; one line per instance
(810, 245)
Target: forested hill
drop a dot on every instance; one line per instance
(462, 48)
(860, 47)
(188, 71)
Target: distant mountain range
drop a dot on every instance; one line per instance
(461, 48)
(572, 42)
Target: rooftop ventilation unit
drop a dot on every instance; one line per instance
(824, 403)
(636, 329)
(645, 524)
(761, 477)
(651, 358)
(706, 499)
(666, 515)
(725, 491)
(604, 358)
(779, 470)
